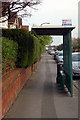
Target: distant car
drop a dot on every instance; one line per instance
(55, 54)
(51, 52)
(59, 57)
(76, 63)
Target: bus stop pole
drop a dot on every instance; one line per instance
(71, 64)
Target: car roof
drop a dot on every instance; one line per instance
(60, 51)
(76, 53)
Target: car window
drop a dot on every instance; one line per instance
(75, 57)
(60, 54)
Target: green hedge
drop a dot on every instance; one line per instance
(9, 53)
(32, 50)
(28, 46)
(20, 37)
(36, 50)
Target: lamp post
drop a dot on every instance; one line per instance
(45, 23)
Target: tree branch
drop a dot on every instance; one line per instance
(17, 6)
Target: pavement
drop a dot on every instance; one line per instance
(41, 97)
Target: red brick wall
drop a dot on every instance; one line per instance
(12, 84)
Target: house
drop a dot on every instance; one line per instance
(19, 24)
(26, 27)
(14, 21)
(3, 24)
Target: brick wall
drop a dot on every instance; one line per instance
(12, 84)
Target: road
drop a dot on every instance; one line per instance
(77, 83)
(41, 97)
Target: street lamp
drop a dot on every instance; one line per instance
(45, 23)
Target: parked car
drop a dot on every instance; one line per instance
(76, 63)
(59, 57)
(51, 52)
(56, 53)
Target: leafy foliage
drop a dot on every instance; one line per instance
(60, 47)
(43, 40)
(76, 44)
(21, 37)
(9, 52)
(28, 46)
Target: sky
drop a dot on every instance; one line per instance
(53, 11)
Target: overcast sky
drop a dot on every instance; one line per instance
(53, 11)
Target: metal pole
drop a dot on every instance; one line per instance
(71, 77)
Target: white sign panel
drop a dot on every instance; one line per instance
(67, 22)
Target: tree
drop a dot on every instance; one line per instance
(45, 40)
(76, 44)
(60, 47)
(20, 6)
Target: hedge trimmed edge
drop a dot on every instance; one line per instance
(28, 46)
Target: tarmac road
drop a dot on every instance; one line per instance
(41, 97)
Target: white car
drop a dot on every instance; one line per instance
(56, 53)
(51, 52)
(76, 63)
(59, 57)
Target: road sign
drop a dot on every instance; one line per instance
(66, 22)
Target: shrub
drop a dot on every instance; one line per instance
(31, 47)
(28, 46)
(9, 53)
(36, 50)
(21, 36)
